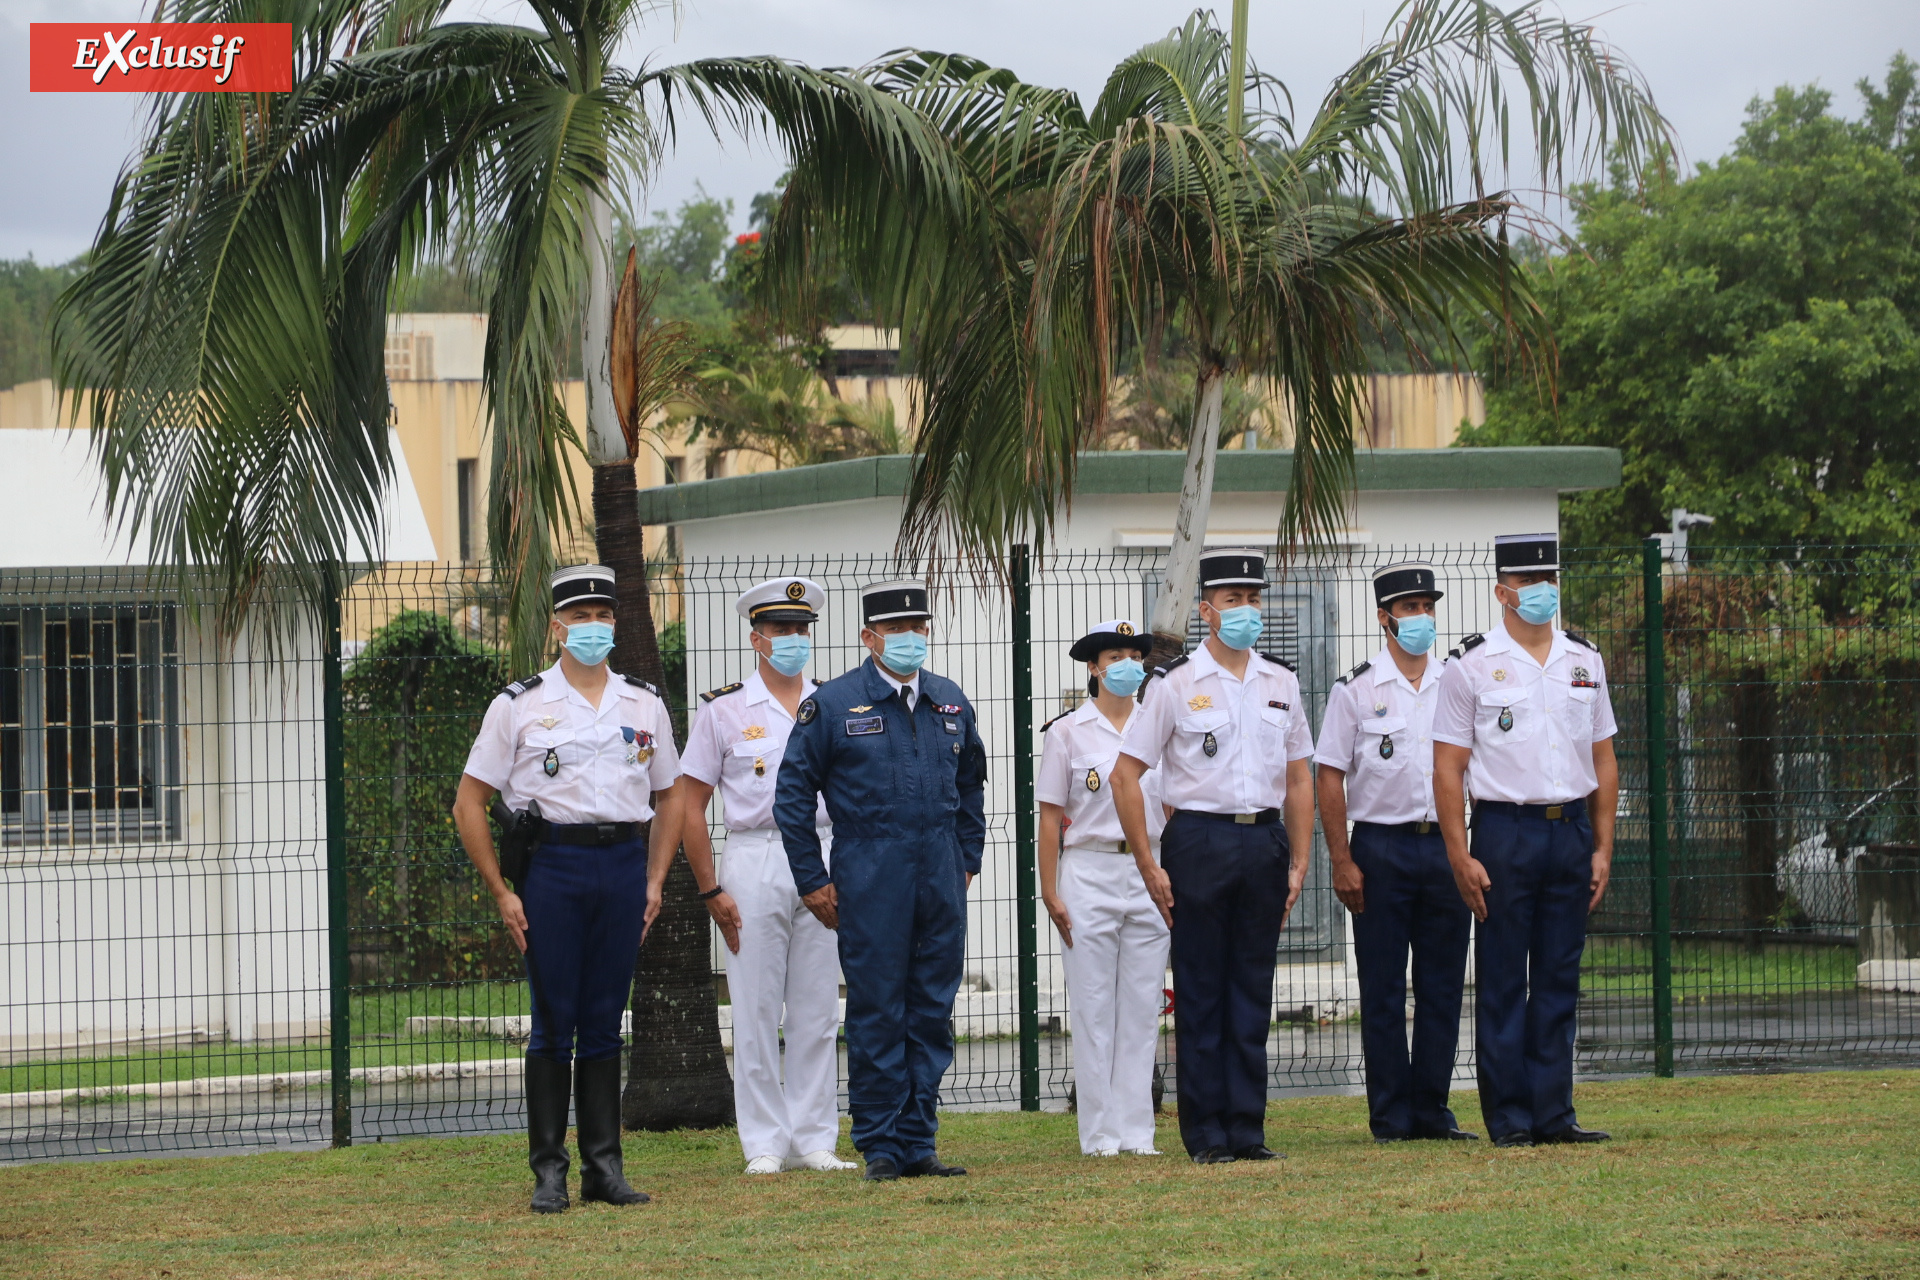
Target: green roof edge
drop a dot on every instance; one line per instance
(1560, 467)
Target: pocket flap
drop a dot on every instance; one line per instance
(1102, 762)
(558, 736)
(1205, 721)
(751, 749)
(1504, 697)
(1384, 724)
(1583, 695)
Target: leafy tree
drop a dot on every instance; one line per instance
(27, 293)
(686, 254)
(1748, 337)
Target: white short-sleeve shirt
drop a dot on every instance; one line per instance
(1222, 744)
(1378, 730)
(605, 762)
(1077, 755)
(1531, 728)
(736, 744)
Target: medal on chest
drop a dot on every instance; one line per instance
(1386, 746)
(551, 765)
(1210, 745)
(759, 766)
(639, 743)
(1093, 779)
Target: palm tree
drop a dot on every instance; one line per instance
(1023, 243)
(232, 315)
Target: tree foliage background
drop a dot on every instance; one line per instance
(1748, 337)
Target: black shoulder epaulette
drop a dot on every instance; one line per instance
(1581, 640)
(519, 687)
(638, 683)
(1160, 671)
(1358, 671)
(723, 691)
(1049, 724)
(1280, 662)
(1473, 641)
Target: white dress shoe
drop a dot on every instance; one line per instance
(1107, 1151)
(821, 1162)
(764, 1164)
(1138, 1151)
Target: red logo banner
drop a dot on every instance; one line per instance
(162, 57)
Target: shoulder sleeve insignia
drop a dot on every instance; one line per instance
(808, 710)
(1049, 724)
(1582, 641)
(1280, 662)
(638, 683)
(721, 692)
(519, 687)
(1356, 673)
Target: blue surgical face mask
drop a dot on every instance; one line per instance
(1124, 677)
(1416, 633)
(790, 654)
(1539, 602)
(1240, 627)
(590, 642)
(904, 651)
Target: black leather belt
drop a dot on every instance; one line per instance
(596, 833)
(1566, 811)
(1261, 818)
(1404, 828)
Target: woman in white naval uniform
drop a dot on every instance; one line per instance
(777, 953)
(1114, 943)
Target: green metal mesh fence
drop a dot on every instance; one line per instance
(189, 947)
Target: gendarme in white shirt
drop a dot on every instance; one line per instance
(1077, 756)
(1531, 727)
(1378, 730)
(736, 744)
(1254, 726)
(608, 761)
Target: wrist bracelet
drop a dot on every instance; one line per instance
(712, 893)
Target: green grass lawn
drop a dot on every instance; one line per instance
(1762, 1177)
(1717, 970)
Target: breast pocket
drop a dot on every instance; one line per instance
(1386, 744)
(1200, 740)
(752, 764)
(549, 751)
(1579, 713)
(1091, 774)
(1505, 717)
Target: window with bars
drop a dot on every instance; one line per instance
(89, 724)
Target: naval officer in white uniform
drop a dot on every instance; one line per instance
(778, 955)
(1114, 943)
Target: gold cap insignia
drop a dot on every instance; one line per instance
(796, 590)
(1125, 628)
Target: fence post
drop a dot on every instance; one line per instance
(1026, 889)
(1659, 885)
(332, 712)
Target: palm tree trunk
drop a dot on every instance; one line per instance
(1169, 622)
(677, 1075)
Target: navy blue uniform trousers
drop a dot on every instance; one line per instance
(1229, 900)
(1527, 966)
(586, 906)
(1411, 902)
(903, 934)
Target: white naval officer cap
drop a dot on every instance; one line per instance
(782, 600)
(580, 583)
(1115, 633)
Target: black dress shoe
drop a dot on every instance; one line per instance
(882, 1169)
(1514, 1140)
(1381, 1140)
(1213, 1155)
(1573, 1133)
(1258, 1151)
(930, 1167)
(1448, 1135)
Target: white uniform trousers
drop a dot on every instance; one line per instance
(786, 958)
(1116, 978)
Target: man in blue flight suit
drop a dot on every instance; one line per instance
(897, 755)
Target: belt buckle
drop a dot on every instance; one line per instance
(1554, 812)
(1123, 848)
(1422, 828)
(605, 831)
(1246, 819)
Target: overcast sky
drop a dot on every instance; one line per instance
(1705, 59)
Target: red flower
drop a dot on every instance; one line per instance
(751, 237)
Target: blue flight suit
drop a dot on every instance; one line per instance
(907, 795)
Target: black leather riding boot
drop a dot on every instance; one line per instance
(596, 1105)
(549, 1090)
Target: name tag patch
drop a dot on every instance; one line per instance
(953, 726)
(866, 724)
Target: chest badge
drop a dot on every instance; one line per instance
(753, 733)
(1583, 679)
(759, 766)
(1499, 673)
(1200, 702)
(1380, 708)
(1093, 779)
(551, 765)
(547, 722)
(858, 710)
(1386, 746)
(1506, 719)
(1210, 745)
